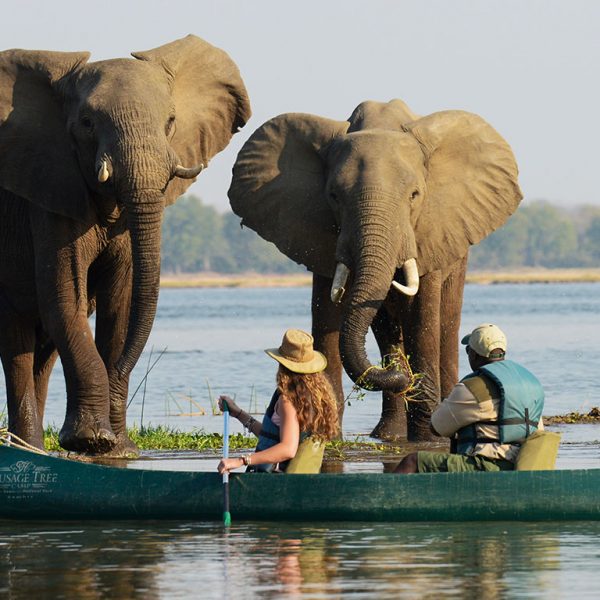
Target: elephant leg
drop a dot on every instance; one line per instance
(422, 345)
(388, 334)
(44, 359)
(113, 299)
(450, 313)
(87, 425)
(326, 317)
(17, 344)
(61, 251)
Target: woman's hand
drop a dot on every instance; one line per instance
(228, 464)
(234, 409)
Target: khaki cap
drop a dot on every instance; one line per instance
(485, 338)
(297, 353)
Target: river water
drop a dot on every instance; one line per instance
(210, 341)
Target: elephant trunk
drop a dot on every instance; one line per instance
(360, 314)
(377, 255)
(145, 219)
(142, 166)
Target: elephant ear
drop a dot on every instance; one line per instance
(211, 101)
(278, 188)
(38, 161)
(472, 185)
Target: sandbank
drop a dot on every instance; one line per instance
(253, 280)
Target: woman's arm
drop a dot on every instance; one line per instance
(248, 421)
(289, 432)
(289, 435)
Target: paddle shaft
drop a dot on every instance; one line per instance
(226, 513)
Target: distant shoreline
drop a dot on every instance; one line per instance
(254, 280)
(535, 276)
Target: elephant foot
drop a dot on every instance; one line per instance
(124, 448)
(390, 428)
(419, 421)
(421, 434)
(37, 442)
(87, 434)
(35, 439)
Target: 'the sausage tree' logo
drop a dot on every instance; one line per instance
(24, 476)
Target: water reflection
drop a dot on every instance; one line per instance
(156, 559)
(78, 562)
(302, 565)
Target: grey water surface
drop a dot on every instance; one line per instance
(210, 341)
(214, 341)
(286, 560)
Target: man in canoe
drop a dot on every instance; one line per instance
(487, 414)
(301, 416)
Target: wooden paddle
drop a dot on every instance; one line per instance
(226, 513)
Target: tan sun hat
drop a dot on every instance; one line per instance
(297, 353)
(485, 338)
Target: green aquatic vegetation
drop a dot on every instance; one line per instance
(359, 448)
(51, 439)
(165, 438)
(593, 416)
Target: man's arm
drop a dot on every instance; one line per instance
(459, 409)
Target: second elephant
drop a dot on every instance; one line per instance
(382, 208)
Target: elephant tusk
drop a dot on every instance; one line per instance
(411, 274)
(186, 173)
(103, 172)
(339, 281)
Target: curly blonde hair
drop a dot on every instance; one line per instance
(313, 398)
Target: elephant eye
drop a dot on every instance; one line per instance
(87, 123)
(169, 125)
(414, 194)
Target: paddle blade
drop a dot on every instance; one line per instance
(226, 513)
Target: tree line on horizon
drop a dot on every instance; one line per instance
(197, 238)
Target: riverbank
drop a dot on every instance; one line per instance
(535, 276)
(239, 280)
(254, 280)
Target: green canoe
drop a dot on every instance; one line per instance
(34, 486)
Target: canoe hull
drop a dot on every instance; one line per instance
(34, 486)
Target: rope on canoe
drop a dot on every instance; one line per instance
(10, 439)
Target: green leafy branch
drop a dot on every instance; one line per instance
(397, 360)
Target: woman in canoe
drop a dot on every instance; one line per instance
(301, 416)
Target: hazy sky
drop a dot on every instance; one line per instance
(530, 67)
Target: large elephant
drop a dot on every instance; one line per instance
(90, 155)
(385, 205)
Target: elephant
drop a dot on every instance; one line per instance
(382, 209)
(91, 154)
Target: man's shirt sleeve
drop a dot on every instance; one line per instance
(459, 409)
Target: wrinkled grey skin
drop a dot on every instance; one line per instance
(91, 155)
(375, 193)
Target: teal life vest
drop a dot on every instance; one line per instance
(269, 436)
(520, 409)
